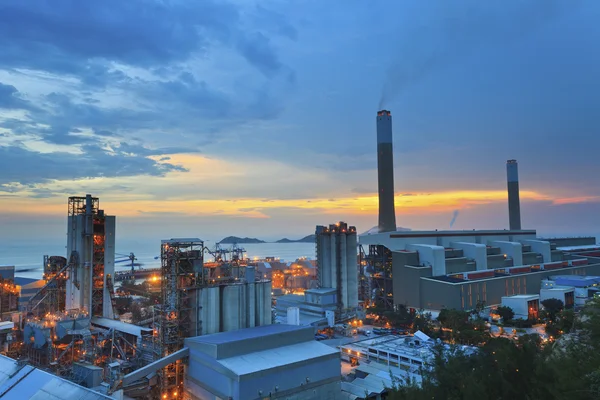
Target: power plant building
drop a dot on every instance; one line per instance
(337, 266)
(457, 269)
(433, 270)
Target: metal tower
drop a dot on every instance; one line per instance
(181, 273)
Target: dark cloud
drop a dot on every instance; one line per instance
(10, 97)
(35, 167)
(84, 38)
(256, 48)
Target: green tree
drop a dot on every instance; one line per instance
(551, 309)
(506, 313)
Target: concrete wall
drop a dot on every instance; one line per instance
(396, 241)
(430, 255)
(541, 247)
(577, 241)
(435, 296)
(512, 250)
(455, 265)
(291, 381)
(405, 283)
(464, 295)
(475, 251)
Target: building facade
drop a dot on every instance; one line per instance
(275, 361)
(459, 269)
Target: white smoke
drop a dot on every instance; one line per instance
(454, 216)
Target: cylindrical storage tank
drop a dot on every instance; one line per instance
(242, 305)
(343, 271)
(352, 267)
(210, 310)
(250, 305)
(324, 260)
(333, 260)
(231, 308)
(259, 289)
(266, 317)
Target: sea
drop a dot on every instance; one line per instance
(27, 257)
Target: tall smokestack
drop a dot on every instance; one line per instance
(514, 206)
(385, 172)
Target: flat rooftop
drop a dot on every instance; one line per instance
(321, 291)
(277, 357)
(523, 296)
(418, 234)
(245, 334)
(27, 382)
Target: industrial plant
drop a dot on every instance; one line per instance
(233, 328)
(71, 326)
(432, 270)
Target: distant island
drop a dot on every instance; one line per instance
(305, 239)
(247, 240)
(238, 240)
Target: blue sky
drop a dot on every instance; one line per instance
(258, 118)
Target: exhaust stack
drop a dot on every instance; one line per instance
(385, 172)
(514, 206)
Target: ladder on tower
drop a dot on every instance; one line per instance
(111, 291)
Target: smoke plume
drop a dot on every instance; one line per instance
(454, 216)
(452, 30)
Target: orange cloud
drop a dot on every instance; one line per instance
(576, 200)
(258, 208)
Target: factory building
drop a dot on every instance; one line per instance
(458, 269)
(571, 289)
(91, 247)
(381, 358)
(201, 299)
(337, 267)
(276, 362)
(525, 306)
(19, 381)
(313, 306)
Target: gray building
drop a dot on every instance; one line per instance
(22, 381)
(432, 270)
(274, 361)
(337, 262)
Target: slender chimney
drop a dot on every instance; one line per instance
(514, 206)
(385, 172)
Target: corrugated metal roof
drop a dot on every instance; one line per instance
(26, 382)
(22, 281)
(121, 326)
(243, 334)
(273, 358)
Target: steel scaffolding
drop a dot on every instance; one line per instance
(56, 280)
(181, 273)
(378, 264)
